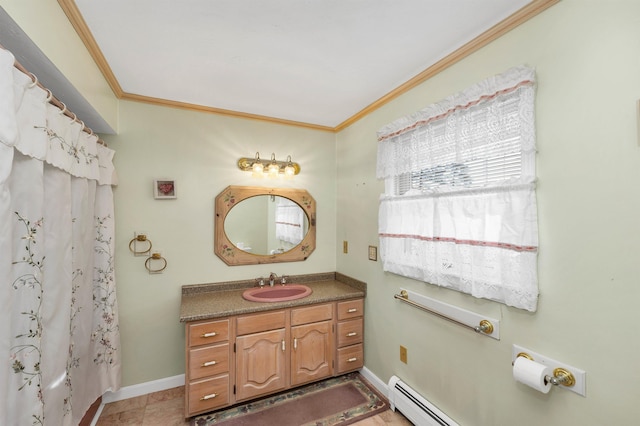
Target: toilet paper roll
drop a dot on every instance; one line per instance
(532, 374)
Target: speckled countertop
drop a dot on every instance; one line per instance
(205, 301)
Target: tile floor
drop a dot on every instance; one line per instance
(166, 408)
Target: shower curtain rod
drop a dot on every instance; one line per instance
(54, 101)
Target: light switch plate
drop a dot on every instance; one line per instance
(373, 253)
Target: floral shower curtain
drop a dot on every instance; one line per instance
(59, 334)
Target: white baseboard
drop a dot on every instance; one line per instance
(375, 381)
(144, 388)
(137, 390)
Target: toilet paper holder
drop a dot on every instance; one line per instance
(561, 376)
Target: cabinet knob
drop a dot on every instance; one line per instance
(352, 310)
(209, 363)
(353, 333)
(212, 334)
(210, 396)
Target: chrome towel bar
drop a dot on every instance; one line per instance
(484, 327)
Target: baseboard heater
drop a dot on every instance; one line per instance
(414, 407)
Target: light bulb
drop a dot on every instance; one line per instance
(289, 171)
(258, 169)
(273, 170)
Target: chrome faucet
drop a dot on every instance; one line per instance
(272, 278)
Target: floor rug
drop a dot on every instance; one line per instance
(337, 401)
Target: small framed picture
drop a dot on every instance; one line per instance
(164, 189)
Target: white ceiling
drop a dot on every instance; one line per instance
(311, 61)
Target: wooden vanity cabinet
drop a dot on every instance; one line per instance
(246, 356)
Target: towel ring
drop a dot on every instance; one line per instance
(155, 256)
(140, 238)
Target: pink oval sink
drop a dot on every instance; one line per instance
(277, 293)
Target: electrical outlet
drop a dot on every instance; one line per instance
(345, 247)
(403, 354)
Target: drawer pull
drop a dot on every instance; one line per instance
(295, 344)
(352, 359)
(210, 396)
(212, 334)
(352, 334)
(352, 310)
(209, 363)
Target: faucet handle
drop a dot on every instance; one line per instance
(283, 279)
(260, 281)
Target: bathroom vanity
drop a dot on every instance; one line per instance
(237, 349)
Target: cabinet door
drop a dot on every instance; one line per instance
(311, 352)
(260, 363)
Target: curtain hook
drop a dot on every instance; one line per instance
(34, 79)
(49, 95)
(64, 108)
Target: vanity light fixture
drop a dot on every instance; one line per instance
(273, 168)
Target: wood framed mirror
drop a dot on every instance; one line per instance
(254, 225)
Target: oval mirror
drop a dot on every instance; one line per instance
(264, 225)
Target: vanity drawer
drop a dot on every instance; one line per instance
(311, 314)
(349, 332)
(350, 358)
(204, 333)
(350, 309)
(208, 361)
(249, 324)
(208, 394)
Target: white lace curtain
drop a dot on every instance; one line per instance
(289, 221)
(59, 335)
(459, 209)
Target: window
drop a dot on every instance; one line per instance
(459, 208)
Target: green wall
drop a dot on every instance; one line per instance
(587, 57)
(199, 151)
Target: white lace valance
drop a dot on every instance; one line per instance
(495, 114)
(45, 133)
